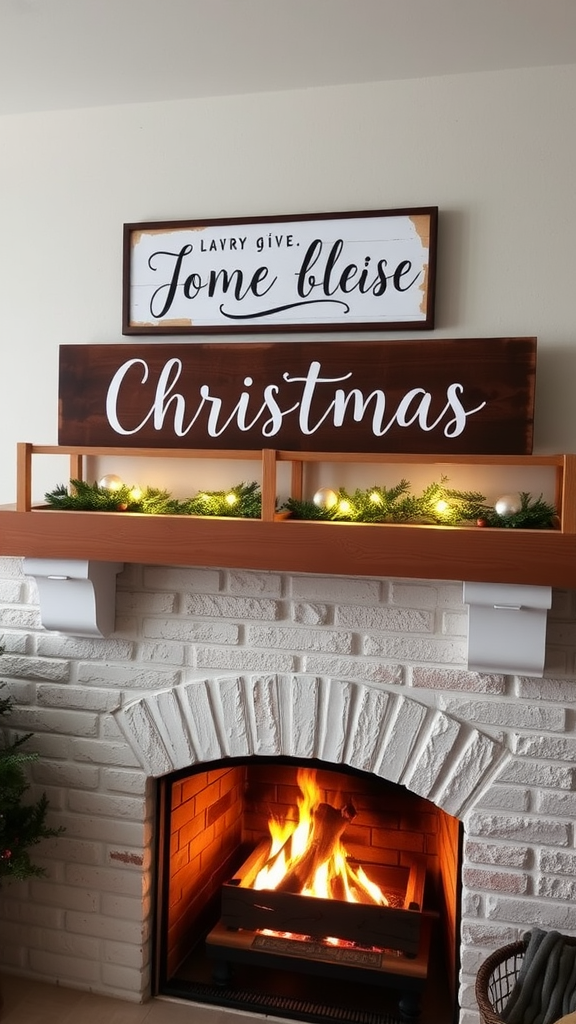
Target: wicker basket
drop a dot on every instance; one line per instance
(496, 979)
(497, 976)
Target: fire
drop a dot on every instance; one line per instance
(309, 858)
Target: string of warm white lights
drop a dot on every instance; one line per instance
(437, 505)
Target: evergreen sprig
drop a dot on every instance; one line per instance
(22, 825)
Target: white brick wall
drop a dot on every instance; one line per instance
(399, 644)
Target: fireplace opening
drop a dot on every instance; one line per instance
(306, 891)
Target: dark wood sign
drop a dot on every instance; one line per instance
(460, 396)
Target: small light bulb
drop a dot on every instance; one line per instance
(375, 498)
(344, 506)
(135, 493)
(442, 506)
(231, 498)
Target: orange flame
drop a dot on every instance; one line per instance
(309, 858)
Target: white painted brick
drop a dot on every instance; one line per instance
(161, 651)
(65, 897)
(561, 805)
(336, 589)
(422, 773)
(69, 850)
(300, 699)
(127, 956)
(135, 912)
(76, 776)
(263, 705)
(75, 648)
(124, 807)
(15, 643)
(100, 752)
(102, 879)
(231, 607)
(105, 830)
(253, 584)
(505, 713)
(31, 913)
(144, 603)
(312, 614)
(336, 701)
(64, 944)
(11, 568)
(556, 888)
(479, 756)
(546, 748)
(454, 623)
(561, 690)
(414, 648)
(130, 979)
(293, 639)
(399, 741)
(54, 670)
(451, 679)
(490, 935)
(244, 659)
(363, 747)
(533, 773)
(77, 698)
(137, 675)
(202, 581)
(523, 828)
(501, 855)
(118, 780)
(561, 916)
(505, 882)
(404, 594)
(119, 928)
(20, 692)
(191, 631)
(19, 618)
(59, 967)
(557, 862)
(11, 591)
(393, 620)
(353, 668)
(73, 723)
(505, 798)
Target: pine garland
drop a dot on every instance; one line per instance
(437, 505)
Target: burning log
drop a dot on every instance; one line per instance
(328, 824)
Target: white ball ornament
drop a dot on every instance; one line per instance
(508, 505)
(110, 482)
(325, 497)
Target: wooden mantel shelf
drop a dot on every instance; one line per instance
(537, 557)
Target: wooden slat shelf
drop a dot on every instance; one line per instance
(539, 557)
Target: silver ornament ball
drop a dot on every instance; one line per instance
(110, 482)
(508, 505)
(325, 497)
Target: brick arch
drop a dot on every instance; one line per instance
(380, 731)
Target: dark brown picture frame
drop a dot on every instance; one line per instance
(356, 271)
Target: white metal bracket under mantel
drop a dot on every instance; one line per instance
(507, 627)
(77, 596)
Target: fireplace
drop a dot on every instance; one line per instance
(221, 941)
(208, 667)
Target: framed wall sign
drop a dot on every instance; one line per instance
(368, 271)
(460, 396)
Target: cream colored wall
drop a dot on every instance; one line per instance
(495, 152)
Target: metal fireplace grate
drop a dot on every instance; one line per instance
(293, 1009)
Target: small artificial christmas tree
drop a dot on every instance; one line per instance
(22, 825)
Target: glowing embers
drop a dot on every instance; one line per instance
(303, 883)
